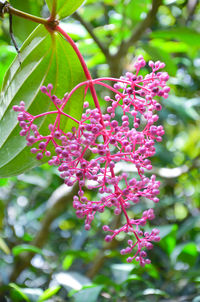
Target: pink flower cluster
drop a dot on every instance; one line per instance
(107, 140)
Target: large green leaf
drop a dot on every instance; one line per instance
(64, 8)
(45, 58)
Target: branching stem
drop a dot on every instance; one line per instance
(13, 11)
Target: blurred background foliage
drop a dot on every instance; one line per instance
(46, 255)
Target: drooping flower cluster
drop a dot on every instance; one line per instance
(108, 139)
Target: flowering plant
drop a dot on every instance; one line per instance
(107, 142)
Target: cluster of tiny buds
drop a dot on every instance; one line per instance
(126, 133)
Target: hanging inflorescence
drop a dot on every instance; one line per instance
(108, 141)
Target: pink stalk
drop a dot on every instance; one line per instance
(71, 93)
(45, 113)
(109, 87)
(84, 66)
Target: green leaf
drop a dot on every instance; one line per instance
(151, 292)
(67, 262)
(4, 247)
(19, 295)
(106, 282)
(183, 107)
(88, 293)
(33, 293)
(65, 8)
(121, 271)
(133, 277)
(184, 34)
(158, 53)
(25, 248)
(168, 238)
(92, 13)
(50, 292)
(7, 54)
(134, 9)
(154, 291)
(185, 252)
(72, 280)
(170, 46)
(152, 270)
(188, 225)
(165, 230)
(45, 58)
(23, 27)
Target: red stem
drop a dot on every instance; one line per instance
(72, 43)
(109, 87)
(124, 210)
(71, 92)
(84, 66)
